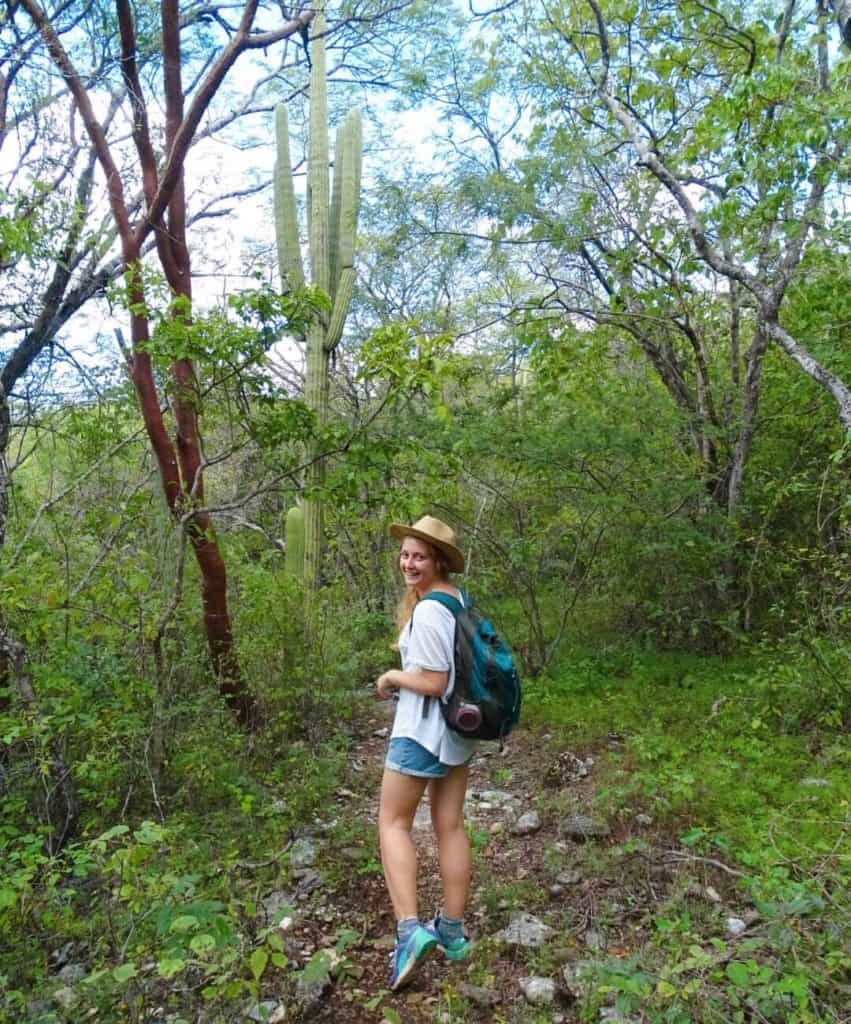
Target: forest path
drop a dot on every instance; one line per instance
(595, 893)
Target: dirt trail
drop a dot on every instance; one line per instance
(543, 873)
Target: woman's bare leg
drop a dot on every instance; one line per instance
(453, 847)
(400, 796)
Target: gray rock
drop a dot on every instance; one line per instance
(538, 991)
(494, 797)
(263, 1011)
(735, 925)
(71, 973)
(580, 826)
(422, 819)
(278, 904)
(609, 1015)
(527, 824)
(644, 820)
(310, 993)
(480, 996)
(66, 998)
(306, 881)
(303, 853)
(37, 1009)
(577, 973)
(525, 930)
(811, 780)
(569, 878)
(62, 955)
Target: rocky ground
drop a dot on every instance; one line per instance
(556, 888)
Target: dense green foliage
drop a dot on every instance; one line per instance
(652, 491)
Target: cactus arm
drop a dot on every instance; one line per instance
(349, 191)
(286, 216)
(294, 542)
(342, 299)
(334, 214)
(318, 160)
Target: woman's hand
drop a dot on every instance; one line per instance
(384, 685)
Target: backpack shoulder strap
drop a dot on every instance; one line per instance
(447, 600)
(453, 605)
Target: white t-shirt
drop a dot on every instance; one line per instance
(430, 645)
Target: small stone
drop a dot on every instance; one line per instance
(277, 904)
(66, 997)
(311, 993)
(525, 930)
(496, 828)
(62, 955)
(538, 991)
(263, 1011)
(306, 881)
(580, 826)
(71, 973)
(609, 1015)
(735, 925)
(643, 820)
(556, 890)
(478, 995)
(712, 894)
(37, 1008)
(527, 824)
(569, 878)
(494, 797)
(575, 973)
(381, 733)
(303, 853)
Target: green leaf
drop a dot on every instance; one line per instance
(392, 1016)
(124, 972)
(738, 973)
(202, 944)
(258, 962)
(170, 965)
(184, 923)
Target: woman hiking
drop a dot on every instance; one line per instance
(424, 753)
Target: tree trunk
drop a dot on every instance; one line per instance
(842, 10)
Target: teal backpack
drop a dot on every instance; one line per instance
(485, 701)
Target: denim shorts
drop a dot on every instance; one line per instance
(411, 758)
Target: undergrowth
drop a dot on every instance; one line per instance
(744, 766)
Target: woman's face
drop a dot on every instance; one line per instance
(418, 565)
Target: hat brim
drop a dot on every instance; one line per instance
(454, 556)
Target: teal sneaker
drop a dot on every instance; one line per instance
(454, 949)
(407, 956)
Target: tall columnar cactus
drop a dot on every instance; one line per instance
(294, 542)
(332, 217)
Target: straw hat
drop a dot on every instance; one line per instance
(436, 532)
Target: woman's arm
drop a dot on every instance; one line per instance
(424, 681)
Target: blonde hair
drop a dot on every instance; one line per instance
(408, 600)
